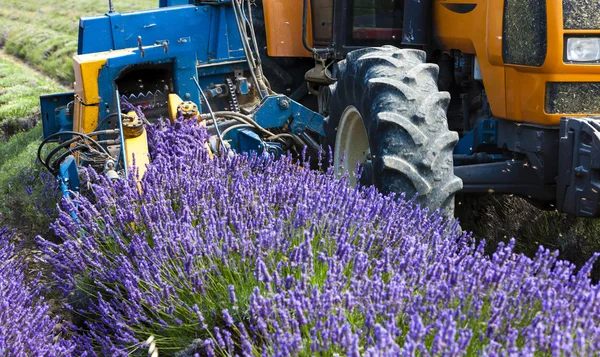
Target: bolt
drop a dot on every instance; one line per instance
(284, 103)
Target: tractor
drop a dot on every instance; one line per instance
(422, 97)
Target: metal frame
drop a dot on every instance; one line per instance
(510, 157)
(578, 183)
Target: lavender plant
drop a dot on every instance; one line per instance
(26, 326)
(255, 257)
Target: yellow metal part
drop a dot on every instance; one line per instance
(174, 101)
(188, 109)
(87, 69)
(87, 99)
(210, 153)
(87, 94)
(132, 125)
(85, 117)
(469, 33)
(283, 25)
(515, 92)
(136, 149)
(136, 142)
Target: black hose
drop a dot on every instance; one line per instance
(56, 163)
(105, 119)
(304, 27)
(81, 135)
(62, 145)
(314, 51)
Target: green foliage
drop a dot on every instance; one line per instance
(45, 33)
(20, 89)
(23, 200)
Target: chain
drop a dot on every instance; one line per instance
(234, 105)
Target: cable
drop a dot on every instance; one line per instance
(235, 127)
(56, 163)
(105, 119)
(261, 75)
(250, 22)
(251, 64)
(314, 51)
(63, 145)
(81, 135)
(212, 114)
(253, 35)
(246, 119)
(304, 27)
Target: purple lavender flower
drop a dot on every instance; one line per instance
(26, 326)
(308, 265)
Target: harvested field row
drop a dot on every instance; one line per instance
(50, 39)
(24, 203)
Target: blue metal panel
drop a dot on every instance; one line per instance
(276, 110)
(54, 113)
(247, 141)
(180, 55)
(68, 178)
(486, 133)
(196, 36)
(116, 22)
(165, 3)
(210, 29)
(69, 175)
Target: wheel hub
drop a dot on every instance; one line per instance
(351, 144)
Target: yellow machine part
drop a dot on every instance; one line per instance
(283, 25)
(87, 100)
(85, 117)
(174, 101)
(136, 149)
(515, 92)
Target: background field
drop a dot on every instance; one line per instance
(43, 35)
(37, 41)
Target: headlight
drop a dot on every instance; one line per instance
(583, 49)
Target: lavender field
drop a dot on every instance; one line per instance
(250, 256)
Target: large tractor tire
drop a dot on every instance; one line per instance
(387, 114)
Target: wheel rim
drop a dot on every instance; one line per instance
(351, 144)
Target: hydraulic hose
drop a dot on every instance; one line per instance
(315, 51)
(247, 50)
(212, 114)
(70, 141)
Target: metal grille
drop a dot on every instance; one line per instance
(524, 41)
(581, 14)
(573, 98)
